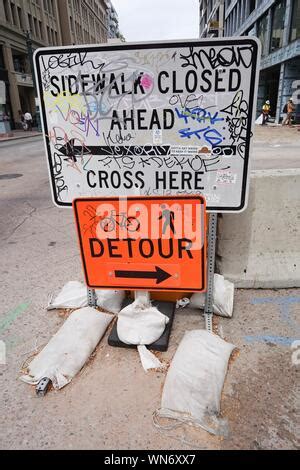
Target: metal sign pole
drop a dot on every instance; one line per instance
(91, 296)
(209, 296)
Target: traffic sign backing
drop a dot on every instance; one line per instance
(149, 243)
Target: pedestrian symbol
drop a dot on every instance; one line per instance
(167, 217)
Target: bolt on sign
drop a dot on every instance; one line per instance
(150, 119)
(151, 243)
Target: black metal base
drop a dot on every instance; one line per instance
(167, 308)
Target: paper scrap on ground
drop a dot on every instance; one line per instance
(148, 359)
(223, 297)
(69, 349)
(193, 386)
(140, 323)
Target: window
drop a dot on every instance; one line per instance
(251, 6)
(295, 24)
(2, 65)
(35, 26)
(30, 22)
(237, 16)
(6, 12)
(19, 61)
(13, 13)
(278, 26)
(20, 17)
(262, 34)
(251, 31)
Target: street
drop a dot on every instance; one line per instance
(109, 405)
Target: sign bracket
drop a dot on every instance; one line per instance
(211, 255)
(143, 295)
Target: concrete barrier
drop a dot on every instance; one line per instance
(260, 247)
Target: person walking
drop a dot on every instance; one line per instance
(290, 109)
(28, 120)
(265, 112)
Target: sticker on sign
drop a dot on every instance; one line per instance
(149, 118)
(147, 243)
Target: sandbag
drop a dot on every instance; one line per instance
(69, 349)
(194, 382)
(223, 297)
(110, 300)
(74, 295)
(140, 323)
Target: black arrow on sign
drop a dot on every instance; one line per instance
(159, 274)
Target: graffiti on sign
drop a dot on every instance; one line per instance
(149, 119)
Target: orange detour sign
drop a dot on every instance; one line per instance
(150, 243)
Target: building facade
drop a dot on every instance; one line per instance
(277, 24)
(26, 25)
(112, 21)
(211, 16)
(17, 18)
(83, 21)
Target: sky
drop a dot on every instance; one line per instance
(154, 20)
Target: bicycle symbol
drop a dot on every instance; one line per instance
(109, 223)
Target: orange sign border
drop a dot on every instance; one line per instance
(140, 198)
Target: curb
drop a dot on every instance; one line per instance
(9, 139)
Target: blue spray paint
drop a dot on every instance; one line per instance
(284, 304)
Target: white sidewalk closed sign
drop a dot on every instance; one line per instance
(170, 118)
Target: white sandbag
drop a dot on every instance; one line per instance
(140, 323)
(223, 297)
(110, 300)
(194, 382)
(69, 349)
(72, 295)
